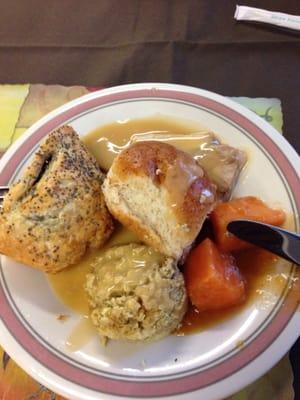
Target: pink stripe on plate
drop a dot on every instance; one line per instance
(196, 380)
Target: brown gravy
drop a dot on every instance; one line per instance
(105, 143)
(257, 267)
(68, 284)
(80, 335)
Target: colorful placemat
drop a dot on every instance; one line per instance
(20, 107)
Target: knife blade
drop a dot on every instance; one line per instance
(281, 242)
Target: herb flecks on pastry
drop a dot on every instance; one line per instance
(56, 211)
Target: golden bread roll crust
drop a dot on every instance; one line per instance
(160, 193)
(56, 211)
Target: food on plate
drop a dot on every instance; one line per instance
(248, 207)
(221, 163)
(160, 185)
(135, 294)
(56, 211)
(212, 278)
(160, 193)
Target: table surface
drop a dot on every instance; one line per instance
(192, 42)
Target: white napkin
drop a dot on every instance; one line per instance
(268, 17)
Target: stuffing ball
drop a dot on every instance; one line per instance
(135, 294)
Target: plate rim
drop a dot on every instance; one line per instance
(269, 130)
(264, 126)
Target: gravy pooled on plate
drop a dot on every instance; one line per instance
(221, 162)
(106, 142)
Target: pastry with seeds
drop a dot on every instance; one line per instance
(56, 211)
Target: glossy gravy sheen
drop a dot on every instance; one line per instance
(69, 283)
(105, 143)
(262, 285)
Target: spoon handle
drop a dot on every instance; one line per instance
(279, 241)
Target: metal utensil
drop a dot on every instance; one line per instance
(279, 241)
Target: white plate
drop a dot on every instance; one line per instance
(209, 364)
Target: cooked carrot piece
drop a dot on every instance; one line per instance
(213, 281)
(248, 207)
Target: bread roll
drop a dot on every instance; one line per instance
(161, 194)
